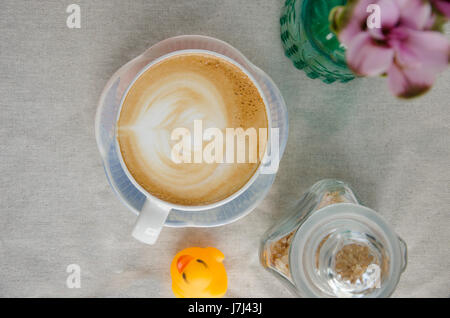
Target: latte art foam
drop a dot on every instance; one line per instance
(173, 94)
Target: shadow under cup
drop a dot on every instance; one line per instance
(154, 212)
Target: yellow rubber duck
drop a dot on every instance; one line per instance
(198, 273)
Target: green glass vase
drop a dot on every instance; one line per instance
(309, 42)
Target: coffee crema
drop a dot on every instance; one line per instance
(172, 94)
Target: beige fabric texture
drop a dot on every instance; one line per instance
(57, 207)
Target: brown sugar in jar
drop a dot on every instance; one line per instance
(332, 246)
(279, 250)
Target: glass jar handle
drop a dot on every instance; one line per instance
(404, 252)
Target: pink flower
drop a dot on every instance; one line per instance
(404, 47)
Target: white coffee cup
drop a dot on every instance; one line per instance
(155, 211)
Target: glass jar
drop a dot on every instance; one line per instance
(332, 246)
(309, 42)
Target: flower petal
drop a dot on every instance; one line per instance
(409, 82)
(415, 14)
(367, 58)
(390, 13)
(423, 49)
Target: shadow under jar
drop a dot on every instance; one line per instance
(331, 246)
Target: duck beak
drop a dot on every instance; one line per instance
(183, 261)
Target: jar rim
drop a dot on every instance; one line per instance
(342, 211)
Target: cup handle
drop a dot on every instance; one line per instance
(404, 251)
(150, 222)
